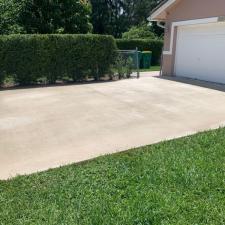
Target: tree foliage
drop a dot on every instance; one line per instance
(9, 14)
(139, 32)
(118, 16)
(108, 17)
(45, 16)
(74, 16)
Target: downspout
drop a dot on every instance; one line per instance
(159, 24)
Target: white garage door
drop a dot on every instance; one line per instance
(200, 52)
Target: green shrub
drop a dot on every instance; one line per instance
(143, 45)
(1, 78)
(120, 67)
(52, 57)
(139, 32)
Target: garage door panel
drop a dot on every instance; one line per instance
(200, 52)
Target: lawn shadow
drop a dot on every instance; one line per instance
(200, 83)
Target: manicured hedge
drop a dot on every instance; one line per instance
(29, 58)
(143, 45)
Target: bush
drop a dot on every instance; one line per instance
(143, 45)
(123, 67)
(1, 78)
(139, 32)
(51, 57)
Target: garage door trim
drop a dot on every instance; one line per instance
(194, 46)
(186, 23)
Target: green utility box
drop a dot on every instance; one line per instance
(146, 60)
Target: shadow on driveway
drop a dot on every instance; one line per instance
(59, 84)
(200, 83)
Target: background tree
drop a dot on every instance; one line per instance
(139, 10)
(139, 32)
(73, 16)
(108, 17)
(46, 16)
(9, 13)
(56, 16)
(118, 16)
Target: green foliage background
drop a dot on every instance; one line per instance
(112, 17)
(138, 32)
(45, 16)
(118, 16)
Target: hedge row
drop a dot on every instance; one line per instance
(51, 57)
(143, 45)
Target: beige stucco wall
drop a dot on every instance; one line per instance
(188, 10)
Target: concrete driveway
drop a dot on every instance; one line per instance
(42, 128)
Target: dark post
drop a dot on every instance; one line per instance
(137, 57)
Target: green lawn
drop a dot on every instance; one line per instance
(153, 68)
(179, 182)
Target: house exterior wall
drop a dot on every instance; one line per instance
(187, 10)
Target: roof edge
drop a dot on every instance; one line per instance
(160, 9)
